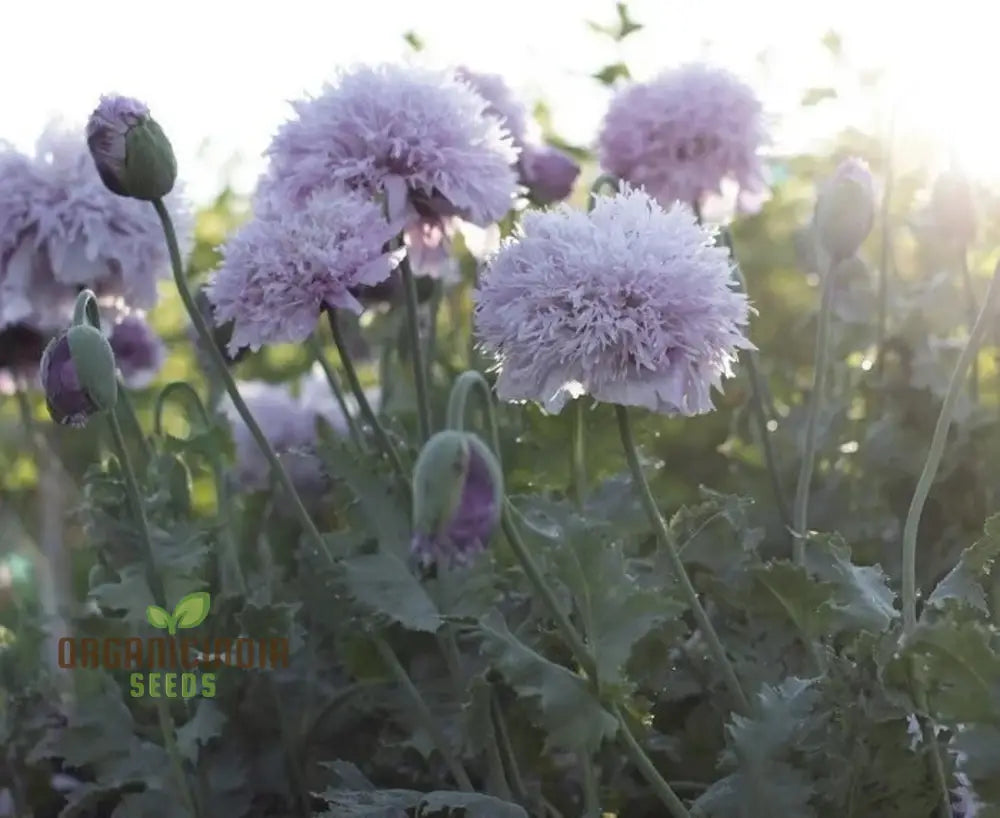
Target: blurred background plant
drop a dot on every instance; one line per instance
(899, 323)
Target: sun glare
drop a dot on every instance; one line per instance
(942, 93)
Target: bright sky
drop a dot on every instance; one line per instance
(217, 74)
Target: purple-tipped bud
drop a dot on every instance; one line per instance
(78, 375)
(457, 497)
(549, 173)
(139, 352)
(953, 208)
(133, 156)
(845, 211)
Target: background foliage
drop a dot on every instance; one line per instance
(835, 727)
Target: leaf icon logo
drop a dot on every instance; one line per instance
(190, 612)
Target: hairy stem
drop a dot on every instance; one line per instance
(668, 544)
(800, 518)
(198, 320)
(935, 454)
(338, 393)
(424, 712)
(385, 444)
(416, 350)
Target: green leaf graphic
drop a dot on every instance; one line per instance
(158, 617)
(192, 610)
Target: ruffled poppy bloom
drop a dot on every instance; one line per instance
(630, 303)
(682, 134)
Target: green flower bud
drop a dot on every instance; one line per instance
(78, 375)
(457, 498)
(845, 211)
(133, 156)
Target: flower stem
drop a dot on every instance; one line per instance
(128, 412)
(153, 577)
(227, 379)
(886, 254)
(458, 402)
(800, 519)
(167, 728)
(507, 749)
(570, 634)
(757, 400)
(416, 349)
(338, 393)
(430, 724)
(659, 784)
(935, 453)
(971, 310)
(190, 398)
(359, 395)
(578, 452)
(666, 540)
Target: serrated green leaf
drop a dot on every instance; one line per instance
(369, 803)
(472, 805)
(383, 511)
(205, 725)
(383, 583)
(786, 590)
(192, 610)
(572, 719)
(611, 73)
(960, 668)
(963, 584)
(862, 599)
(157, 617)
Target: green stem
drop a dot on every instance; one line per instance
(430, 724)
(885, 259)
(757, 400)
(432, 328)
(971, 310)
(659, 784)
(537, 579)
(135, 499)
(227, 379)
(578, 452)
(458, 402)
(591, 789)
(667, 542)
(801, 509)
(338, 393)
(416, 349)
(132, 419)
(936, 760)
(167, 728)
(189, 397)
(359, 395)
(934, 455)
(507, 749)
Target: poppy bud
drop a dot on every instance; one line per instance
(549, 173)
(457, 497)
(78, 375)
(845, 211)
(133, 156)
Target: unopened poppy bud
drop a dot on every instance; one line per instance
(78, 375)
(457, 497)
(133, 156)
(953, 208)
(549, 173)
(845, 211)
